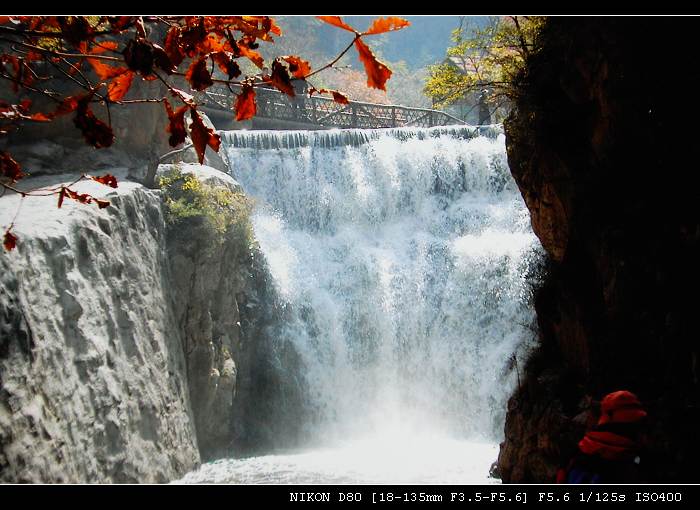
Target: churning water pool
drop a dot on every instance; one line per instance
(384, 459)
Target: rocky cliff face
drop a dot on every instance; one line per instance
(92, 372)
(58, 147)
(118, 339)
(218, 284)
(601, 145)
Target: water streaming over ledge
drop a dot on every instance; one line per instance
(406, 256)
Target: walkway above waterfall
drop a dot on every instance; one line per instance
(276, 110)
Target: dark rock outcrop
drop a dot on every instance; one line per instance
(227, 311)
(211, 271)
(601, 143)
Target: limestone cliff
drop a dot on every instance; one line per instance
(92, 379)
(601, 145)
(119, 338)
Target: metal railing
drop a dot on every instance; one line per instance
(325, 112)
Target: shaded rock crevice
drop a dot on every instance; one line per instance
(601, 148)
(211, 271)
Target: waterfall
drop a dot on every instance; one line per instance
(405, 258)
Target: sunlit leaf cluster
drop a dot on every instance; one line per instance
(484, 58)
(222, 210)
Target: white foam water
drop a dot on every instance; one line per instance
(389, 458)
(406, 256)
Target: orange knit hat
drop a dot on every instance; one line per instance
(621, 407)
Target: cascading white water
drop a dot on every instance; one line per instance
(405, 257)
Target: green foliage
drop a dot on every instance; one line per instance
(484, 58)
(222, 211)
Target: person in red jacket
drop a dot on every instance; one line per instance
(612, 451)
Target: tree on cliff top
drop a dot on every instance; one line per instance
(483, 59)
(79, 63)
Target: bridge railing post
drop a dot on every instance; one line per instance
(393, 116)
(353, 108)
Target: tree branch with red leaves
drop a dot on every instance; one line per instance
(101, 56)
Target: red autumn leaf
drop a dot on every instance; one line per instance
(338, 22)
(176, 125)
(40, 117)
(138, 55)
(10, 240)
(119, 86)
(255, 27)
(101, 47)
(381, 25)
(267, 24)
(245, 106)
(107, 180)
(202, 136)
(68, 104)
(220, 24)
(24, 105)
(280, 78)
(96, 133)
(162, 60)
(35, 22)
(338, 97)
(272, 27)
(33, 56)
(252, 55)
(83, 198)
(198, 75)
(298, 67)
(212, 43)
(192, 35)
(172, 46)
(377, 72)
(9, 168)
(120, 23)
(105, 71)
(226, 64)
